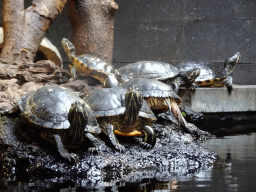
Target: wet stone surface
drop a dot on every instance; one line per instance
(37, 166)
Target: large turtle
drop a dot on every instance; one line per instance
(211, 75)
(61, 117)
(123, 112)
(164, 72)
(159, 96)
(87, 64)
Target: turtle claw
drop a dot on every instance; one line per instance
(94, 150)
(193, 86)
(71, 157)
(120, 148)
(145, 145)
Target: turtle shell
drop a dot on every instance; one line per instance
(148, 70)
(152, 88)
(93, 66)
(48, 107)
(109, 102)
(207, 71)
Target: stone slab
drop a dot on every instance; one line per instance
(213, 100)
(178, 41)
(219, 9)
(152, 10)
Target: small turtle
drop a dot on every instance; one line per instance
(164, 72)
(87, 64)
(61, 117)
(159, 96)
(123, 112)
(213, 76)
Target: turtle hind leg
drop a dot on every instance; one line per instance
(174, 108)
(113, 139)
(149, 140)
(71, 157)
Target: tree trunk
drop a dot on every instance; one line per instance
(24, 29)
(93, 27)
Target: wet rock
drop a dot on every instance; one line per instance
(176, 154)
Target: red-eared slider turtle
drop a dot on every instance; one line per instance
(123, 112)
(61, 117)
(87, 64)
(159, 96)
(164, 72)
(211, 75)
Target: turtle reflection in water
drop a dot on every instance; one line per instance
(123, 112)
(61, 117)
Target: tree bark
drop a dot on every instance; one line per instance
(93, 27)
(24, 29)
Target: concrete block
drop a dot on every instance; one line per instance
(152, 10)
(212, 100)
(219, 9)
(252, 44)
(178, 41)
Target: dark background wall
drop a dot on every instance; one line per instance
(179, 30)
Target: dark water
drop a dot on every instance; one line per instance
(235, 170)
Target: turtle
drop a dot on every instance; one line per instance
(211, 75)
(123, 112)
(164, 72)
(87, 64)
(61, 117)
(159, 96)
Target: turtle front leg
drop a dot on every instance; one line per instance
(228, 83)
(175, 86)
(94, 142)
(73, 72)
(149, 140)
(113, 139)
(71, 157)
(193, 86)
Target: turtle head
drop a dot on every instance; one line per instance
(69, 48)
(78, 119)
(231, 62)
(133, 104)
(187, 77)
(193, 74)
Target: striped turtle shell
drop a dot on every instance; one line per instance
(148, 70)
(108, 102)
(152, 88)
(48, 107)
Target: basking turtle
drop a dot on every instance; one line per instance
(87, 64)
(159, 96)
(123, 112)
(164, 72)
(61, 117)
(213, 76)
